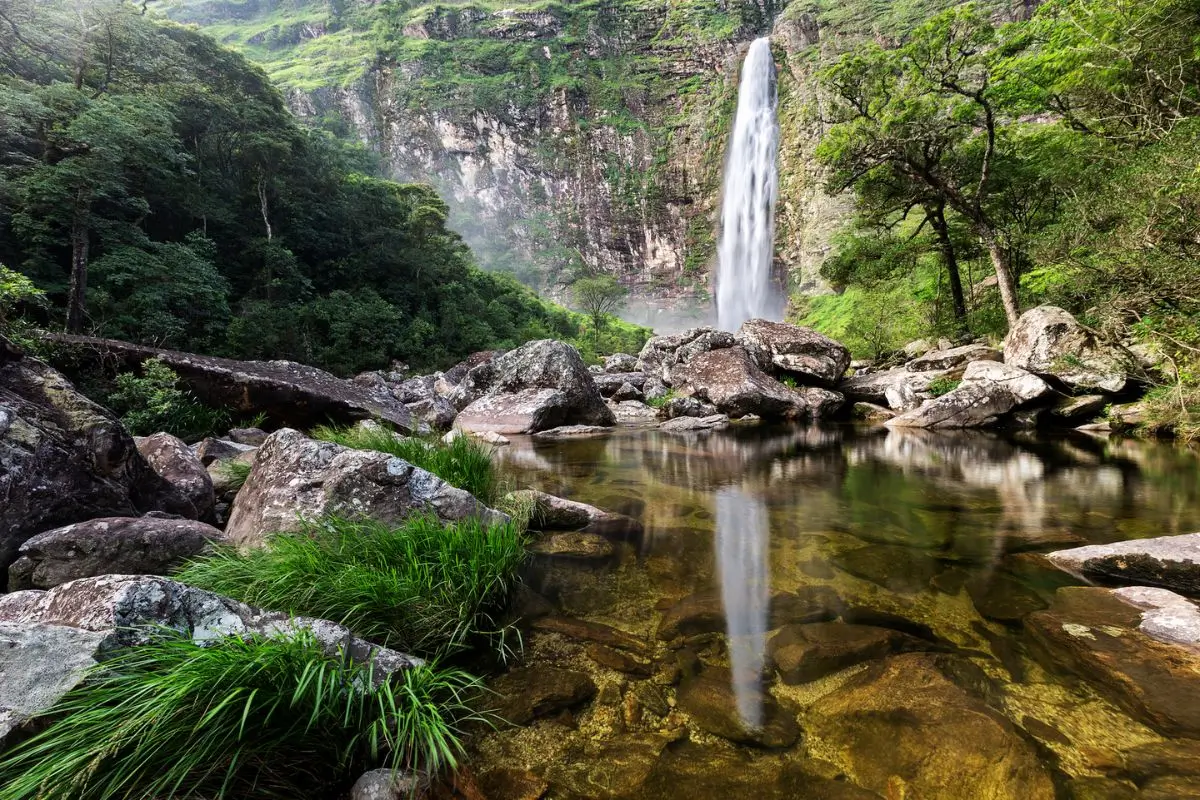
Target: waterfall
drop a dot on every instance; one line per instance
(741, 545)
(751, 186)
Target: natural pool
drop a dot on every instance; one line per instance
(827, 613)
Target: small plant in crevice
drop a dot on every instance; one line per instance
(462, 462)
(234, 472)
(418, 586)
(237, 718)
(660, 402)
(789, 381)
(939, 387)
(153, 402)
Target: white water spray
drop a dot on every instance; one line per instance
(751, 187)
(745, 593)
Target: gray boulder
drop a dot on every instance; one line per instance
(609, 383)
(64, 459)
(628, 392)
(553, 513)
(988, 391)
(539, 385)
(297, 478)
(254, 437)
(48, 640)
(1169, 562)
(175, 463)
(897, 389)
(715, 422)
(938, 360)
(211, 450)
(730, 380)
(386, 784)
(661, 353)
(620, 362)
(114, 545)
(779, 347)
(687, 406)
(421, 397)
(633, 412)
(1049, 341)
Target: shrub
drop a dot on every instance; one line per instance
(463, 462)
(942, 386)
(236, 718)
(153, 402)
(418, 587)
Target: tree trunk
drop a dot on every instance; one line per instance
(1005, 279)
(937, 218)
(77, 291)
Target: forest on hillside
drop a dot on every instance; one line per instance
(154, 187)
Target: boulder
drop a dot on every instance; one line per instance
(539, 385)
(903, 722)
(941, 360)
(421, 397)
(1049, 341)
(687, 406)
(386, 784)
(661, 353)
(452, 377)
(988, 391)
(714, 422)
(526, 693)
(632, 412)
(64, 459)
(558, 514)
(803, 352)
(620, 362)
(869, 412)
(49, 639)
(114, 545)
(628, 392)
(175, 463)
(1076, 410)
(609, 383)
(254, 437)
(1170, 562)
(711, 701)
(896, 389)
(918, 348)
(804, 653)
(730, 380)
(287, 392)
(296, 478)
(211, 450)
(1141, 646)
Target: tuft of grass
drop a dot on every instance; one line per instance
(237, 718)
(659, 402)
(463, 462)
(942, 386)
(418, 586)
(235, 472)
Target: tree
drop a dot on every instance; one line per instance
(598, 297)
(929, 115)
(16, 290)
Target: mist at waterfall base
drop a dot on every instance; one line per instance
(747, 247)
(741, 545)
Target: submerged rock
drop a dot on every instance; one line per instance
(585, 630)
(175, 463)
(603, 770)
(710, 700)
(296, 478)
(1049, 341)
(526, 693)
(1170, 562)
(803, 352)
(539, 385)
(903, 723)
(64, 459)
(113, 545)
(574, 545)
(572, 432)
(1118, 642)
(804, 653)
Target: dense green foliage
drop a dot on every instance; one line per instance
(236, 718)
(418, 587)
(1066, 146)
(153, 402)
(155, 186)
(463, 462)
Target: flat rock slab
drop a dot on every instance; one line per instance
(956, 356)
(287, 392)
(714, 422)
(711, 701)
(572, 432)
(1169, 562)
(591, 631)
(619, 661)
(575, 545)
(1099, 635)
(804, 653)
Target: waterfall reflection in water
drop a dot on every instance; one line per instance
(741, 545)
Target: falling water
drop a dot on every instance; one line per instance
(747, 247)
(742, 560)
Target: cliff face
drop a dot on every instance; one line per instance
(567, 138)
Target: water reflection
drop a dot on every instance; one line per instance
(741, 548)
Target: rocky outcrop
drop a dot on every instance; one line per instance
(988, 391)
(1049, 341)
(287, 392)
(114, 545)
(1115, 639)
(731, 381)
(903, 722)
(1170, 562)
(540, 385)
(422, 399)
(296, 478)
(64, 459)
(809, 356)
(660, 354)
(940, 360)
(175, 463)
(48, 640)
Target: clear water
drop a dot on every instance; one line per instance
(749, 192)
(936, 534)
